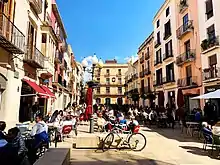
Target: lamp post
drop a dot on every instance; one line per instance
(95, 64)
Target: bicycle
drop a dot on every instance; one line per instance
(132, 140)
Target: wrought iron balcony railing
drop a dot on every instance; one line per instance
(187, 81)
(142, 59)
(141, 74)
(34, 57)
(185, 57)
(36, 5)
(211, 73)
(168, 79)
(147, 71)
(11, 38)
(184, 29)
(209, 43)
(157, 43)
(147, 55)
(157, 61)
(167, 55)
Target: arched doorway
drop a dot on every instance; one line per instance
(98, 101)
(119, 101)
(107, 101)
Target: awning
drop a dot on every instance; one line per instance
(37, 88)
(211, 95)
(47, 90)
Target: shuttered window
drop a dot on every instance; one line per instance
(212, 60)
(209, 9)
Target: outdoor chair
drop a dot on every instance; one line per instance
(66, 131)
(208, 139)
(216, 143)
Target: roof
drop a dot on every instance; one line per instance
(158, 11)
(146, 41)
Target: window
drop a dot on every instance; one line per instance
(188, 75)
(170, 73)
(167, 11)
(119, 71)
(158, 23)
(168, 49)
(107, 80)
(185, 22)
(159, 76)
(211, 32)
(119, 81)
(167, 28)
(148, 83)
(119, 90)
(187, 48)
(44, 38)
(107, 90)
(107, 71)
(209, 9)
(212, 60)
(98, 79)
(98, 90)
(158, 37)
(158, 56)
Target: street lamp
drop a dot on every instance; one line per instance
(95, 64)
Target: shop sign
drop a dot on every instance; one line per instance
(212, 88)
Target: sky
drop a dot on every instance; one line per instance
(113, 29)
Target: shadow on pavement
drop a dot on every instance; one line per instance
(174, 134)
(201, 152)
(111, 158)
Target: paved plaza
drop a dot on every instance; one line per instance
(164, 147)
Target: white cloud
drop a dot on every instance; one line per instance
(88, 76)
(132, 58)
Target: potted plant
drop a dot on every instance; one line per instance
(204, 44)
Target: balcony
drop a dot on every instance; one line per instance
(135, 76)
(168, 79)
(157, 43)
(11, 38)
(142, 59)
(142, 74)
(147, 89)
(34, 57)
(157, 61)
(167, 55)
(211, 74)
(58, 57)
(147, 71)
(188, 82)
(167, 34)
(158, 83)
(183, 5)
(186, 57)
(118, 75)
(147, 55)
(184, 29)
(36, 5)
(209, 44)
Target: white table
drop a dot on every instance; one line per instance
(190, 126)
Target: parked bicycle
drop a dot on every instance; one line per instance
(134, 140)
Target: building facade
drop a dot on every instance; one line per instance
(35, 62)
(188, 57)
(111, 80)
(146, 69)
(165, 52)
(209, 27)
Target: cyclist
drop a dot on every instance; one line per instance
(134, 123)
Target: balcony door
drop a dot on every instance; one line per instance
(32, 35)
(185, 22)
(187, 48)
(212, 64)
(188, 75)
(170, 72)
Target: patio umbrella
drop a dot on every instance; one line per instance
(180, 98)
(88, 111)
(211, 95)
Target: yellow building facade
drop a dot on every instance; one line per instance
(111, 80)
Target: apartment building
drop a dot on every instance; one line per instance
(132, 83)
(165, 52)
(111, 78)
(34, 62)
(209, 27)
(188, 57)
(146, 68)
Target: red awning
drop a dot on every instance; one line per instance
(47, 90)
(37, 88)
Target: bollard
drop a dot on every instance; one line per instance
(91, 128)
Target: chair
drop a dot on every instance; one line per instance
(66, 131)
(208, 139)
(216, 143)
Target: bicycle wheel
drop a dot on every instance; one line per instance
(107, 142)
(137, 142)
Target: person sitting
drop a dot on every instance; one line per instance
(216, 129)
(101, 122)
(40, 131)
(18, 144)
(3, 141)
(198, 116)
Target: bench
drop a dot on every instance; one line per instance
(55, 156)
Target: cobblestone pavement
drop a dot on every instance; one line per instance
(164, 147)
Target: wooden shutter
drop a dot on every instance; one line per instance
(209, 6)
